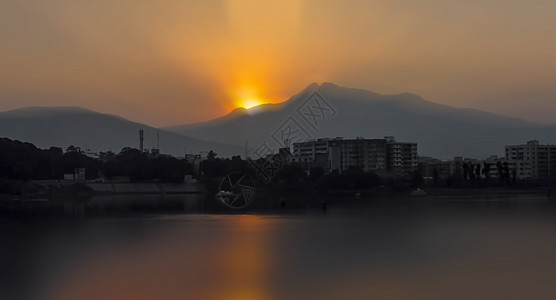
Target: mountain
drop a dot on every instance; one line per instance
(64, 126)
(441, 131)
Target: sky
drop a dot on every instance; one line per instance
(174, 62)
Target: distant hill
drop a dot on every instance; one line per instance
(440, 130)
(64, 126)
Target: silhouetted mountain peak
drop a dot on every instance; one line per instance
(42, 112)
(303, 93)
(333, 91)
(441, 130)
(311, 87)
(239, 111)
(407, 96)
(64, 126)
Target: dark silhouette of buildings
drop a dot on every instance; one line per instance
(386, 157)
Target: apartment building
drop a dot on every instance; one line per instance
(532, 160)
(382, 156)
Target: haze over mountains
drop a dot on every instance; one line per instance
(64, 126)
(440, 131)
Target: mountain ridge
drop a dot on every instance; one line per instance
(88, 129)
(401, 98)
(440, 130)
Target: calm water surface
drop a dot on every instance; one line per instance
(457, 248)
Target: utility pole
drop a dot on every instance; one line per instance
(246, 149)
(141, 139)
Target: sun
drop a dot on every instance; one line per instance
(250, 103)
(248, 97)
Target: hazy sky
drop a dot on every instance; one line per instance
(172, 62)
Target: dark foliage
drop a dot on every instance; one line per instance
(140, 166)
(291, 173)
(353, 178)
(22, 161)
(217, 167)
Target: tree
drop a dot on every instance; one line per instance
(54, 157)
(105, 156)
(500, 172)
(478, 172)
(291, 173)
(465, 167)
(435, 176)
(211, 155)
(417, 180)
(486, 172)
(132, 163)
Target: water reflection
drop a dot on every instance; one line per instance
(385, 250)
(192, 257)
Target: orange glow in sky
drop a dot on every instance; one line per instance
(251, 103)
(176, 62)
(248, 97)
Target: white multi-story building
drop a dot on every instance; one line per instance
(401, 156)
(532, 160)
(371, 155)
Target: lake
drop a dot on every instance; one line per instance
(391, 248)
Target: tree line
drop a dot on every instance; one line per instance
(23, 161)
